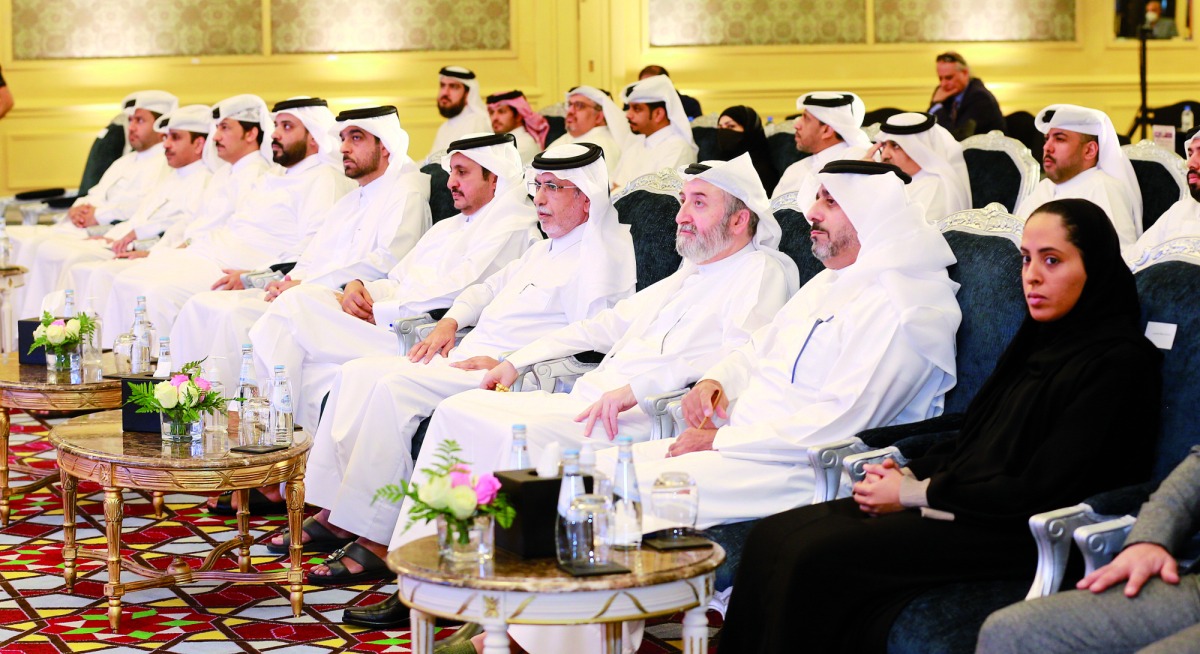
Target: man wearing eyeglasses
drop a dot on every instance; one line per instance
(592, 117)
(363, 440)
(961, 103)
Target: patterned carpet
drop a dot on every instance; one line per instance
(38, 616)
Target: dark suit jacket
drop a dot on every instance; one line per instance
(1172, 514)
(975, 112)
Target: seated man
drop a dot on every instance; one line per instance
(275, 223)
(592, 117)
(1183, 218)
(1082, 159)
(459, 102)
(364, 439)
(691, 106)
(366, 233)
(511, 114)
(1156, 610)
(829, 129)
(313, 330)
(929, 154)
(237, 153)
(175, 198)
(662, 134)
(961, 103)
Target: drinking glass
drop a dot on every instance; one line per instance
(123, 353)
(675, 501)
(256, 422)
(585, 535)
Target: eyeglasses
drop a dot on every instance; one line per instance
(552, 189)
(580, 106)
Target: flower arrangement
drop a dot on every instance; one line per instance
(181, 399)
(452, 493)
(59, 335)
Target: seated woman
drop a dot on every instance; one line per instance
(740, 130)
(1071, 410)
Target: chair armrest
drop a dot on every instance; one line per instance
(406, 330)
(826, 462)
(559, 375)
(853, 464)
(1101, 542)
(658, 407)
(1053, 532)
(144, 244)
(425, 329)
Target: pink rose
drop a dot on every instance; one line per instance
(60, 322)
(486, 488)
(203, 384)
(179, 379)
(460, 476)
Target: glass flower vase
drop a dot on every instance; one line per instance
(466, 542)
(181, 431)
(64, 366)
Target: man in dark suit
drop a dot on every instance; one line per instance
(961, 103)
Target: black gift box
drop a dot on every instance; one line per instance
(131, 420)
(25, 329)
(535, 498)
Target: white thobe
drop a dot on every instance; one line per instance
(1181, 220)
(364, 440)
(176, 198)
(801, 176)
(643, 155)
(306, 330)
(279, 216)
(600, 135)
(1092, 184)
(226, 189)
(468, 121)
(526, 145)
(929, 191)
(366, 233)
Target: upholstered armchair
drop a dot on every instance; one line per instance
(441, 203)
(1161, 176)
(1001, 169)
(781, 139)
(704, 132)
(556, 116)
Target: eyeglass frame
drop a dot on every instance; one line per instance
(533, 186)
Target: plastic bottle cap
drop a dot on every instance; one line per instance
(624, 439)
(571, 452)
(519, 426)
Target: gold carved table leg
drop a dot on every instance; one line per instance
(243, 525)
(4, 489)
(422, 631)
(612, 638)
(157, 501)
(294, 493)
(69, 551)
(113, 511)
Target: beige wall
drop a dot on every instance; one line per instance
(556, 44)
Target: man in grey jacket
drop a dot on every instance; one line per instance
(1158, 611)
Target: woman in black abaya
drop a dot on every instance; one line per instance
(740, 130)
(1071, 410)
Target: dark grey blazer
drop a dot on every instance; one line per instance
(1172, 514)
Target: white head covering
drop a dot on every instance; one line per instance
(316, 117)
(467, 78)
(160, 102)
(497, 153)
(738, 178)
(934, 149)
(658, 88)
(607, 248)
(841, 110)
(1111, 160)
(900, 252)
(1188, 143)
(189, 118)
(383, 123)
(247, 109)
(613, 116)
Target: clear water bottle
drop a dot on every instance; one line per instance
(601, 485)
(518, 459)
(92, 347)
(281, 407)
(139, 359)
(69, 303)
(627, 499)
(5, 247)
(164, 357)
(247, 388)
(1187, 119)
(566, 540)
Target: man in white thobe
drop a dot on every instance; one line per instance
(365, 234)
(593, 117)
(313, 330)
(460, 103)
(829, 129)
(510, 113)
(662, 134)
(1082, 159)
(916, 144)
(277, 221)
(174, 199)
(363, 441)
(1179, 221)
(116, 196)
(240, 154)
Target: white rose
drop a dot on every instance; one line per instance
(189, 394)
(73, 328)
(56, 334)
(434, 493)
(39, 332)
(166, 395)
(462, 502)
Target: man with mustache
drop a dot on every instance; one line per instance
(662, 135)
(459, 102)
(1183, 218)
(593, 117)
(829, 129)
(928, 153)
(511, 114)
(1082, 159)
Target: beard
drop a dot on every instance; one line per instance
(362, 168)
(834, 245)
(1195, 192)
(289, 155)
(452, 110)
(703, 247)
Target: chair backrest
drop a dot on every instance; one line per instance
(1168, 288)
(985, 242)
(795, 242)
(1001, 170)
(556, 116)
(107, 148)
(1171, 114)
(781, 140)
(649, 205)
(1022, 125)
(1161, 175)
(441, 203)
(704, 132)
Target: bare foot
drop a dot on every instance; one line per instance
(322, 517)
(352, 566)
(272, 492)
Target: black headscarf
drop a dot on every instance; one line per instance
(1042, 431)
(753, 139)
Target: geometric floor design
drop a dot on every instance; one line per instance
(38, 616)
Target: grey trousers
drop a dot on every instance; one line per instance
(1162, 619)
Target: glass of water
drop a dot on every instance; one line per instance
(675, 501)
(217, 422)
(585, 533)
(256, 422)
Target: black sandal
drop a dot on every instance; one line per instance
(320, 539)
(260, 504)
(374, 568)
